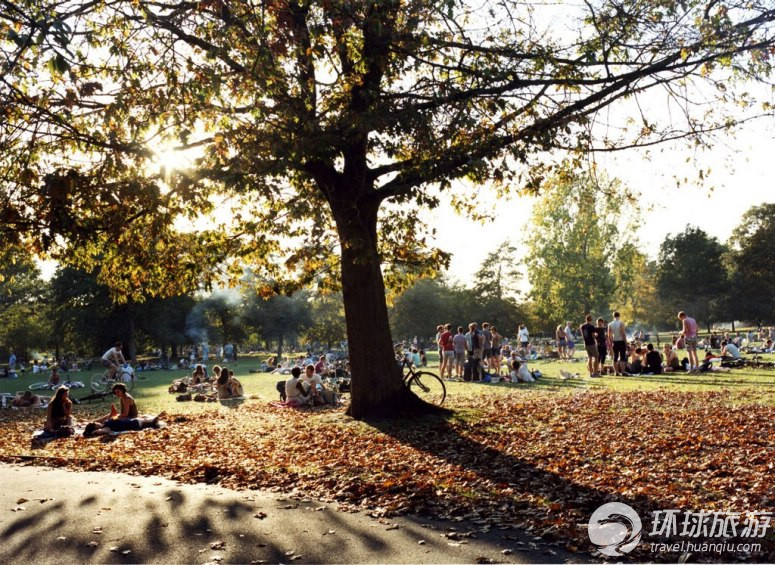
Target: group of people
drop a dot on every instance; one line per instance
(635, 358)
(480, 354)
(306, 388)
(59, 419)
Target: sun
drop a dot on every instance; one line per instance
(170, 157)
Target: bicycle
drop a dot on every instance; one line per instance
(103, 382)
(427, 386)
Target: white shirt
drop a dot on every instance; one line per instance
(523, 335)
(113, 353)
(312, 381)
(292, 391)
(732, 350)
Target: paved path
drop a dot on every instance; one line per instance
(87, 517)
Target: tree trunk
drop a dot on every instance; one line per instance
(132, 338)
(280, 348)
(377, 387)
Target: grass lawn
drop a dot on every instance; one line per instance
(540, 456)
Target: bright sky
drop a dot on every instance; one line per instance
(741, 172)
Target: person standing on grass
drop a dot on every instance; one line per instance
(559, 335)
(448, 352)
(475, 341)
(569, 344)
(588, 335)
(601, 339)
(689, 331)
(617, 335)
(496, 349)
(439, 331)
(460, 345)
(487, 348)
(523, 337)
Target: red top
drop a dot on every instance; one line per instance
(446, 341)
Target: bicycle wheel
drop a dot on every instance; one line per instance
(127, 379)
(429, 387)
(101, 382)
(39, 386)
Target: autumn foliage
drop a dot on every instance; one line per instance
(541, 462)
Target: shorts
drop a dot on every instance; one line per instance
(571, 345)
(602, 353)
(106, 363)
(123, 424)
(460, 358)
(620, 351)
(561, 342)
(523, 344)
(496, 351)
(592, 351)
(486, 353)
(691, 343)
(449, 354)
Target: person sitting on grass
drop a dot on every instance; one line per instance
(653, 360)
(313, 385)
(227, 386)
(199, 376)
(99, 428)
(59, 419)
(672, 364)
(126, 402)
(730, 352)
(295, 394)
(53, 380)
(26, 400)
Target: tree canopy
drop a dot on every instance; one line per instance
(316, 122)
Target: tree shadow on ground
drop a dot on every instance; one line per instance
(139, 523)
(439, 436)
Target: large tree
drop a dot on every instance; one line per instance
(750, 260)
(573, 246)
(313, 117)
(691, 275)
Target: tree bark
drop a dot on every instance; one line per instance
(377, 387)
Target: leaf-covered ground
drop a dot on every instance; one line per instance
(541, 461)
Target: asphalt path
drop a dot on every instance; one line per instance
(61, 516)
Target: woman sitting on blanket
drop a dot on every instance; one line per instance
(120, 425)
(227, 386)
(127, 403)
(198, 376)
(59, 413)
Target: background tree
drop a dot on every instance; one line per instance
(499, 275)
(691, 275)
(24, 307)
(313, 115)
(326, 326)
(751, 261)
(573, 247)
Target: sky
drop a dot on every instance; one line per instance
(741, 177)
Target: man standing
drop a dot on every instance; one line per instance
(439, 331)
(569, 344)
(460, 344)
(475, 341)
(487, 347)
(601, 337)
(690, 340)
(524, 337)
(447, 350)
(588, 335)
(617, 335)
(12, 365)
